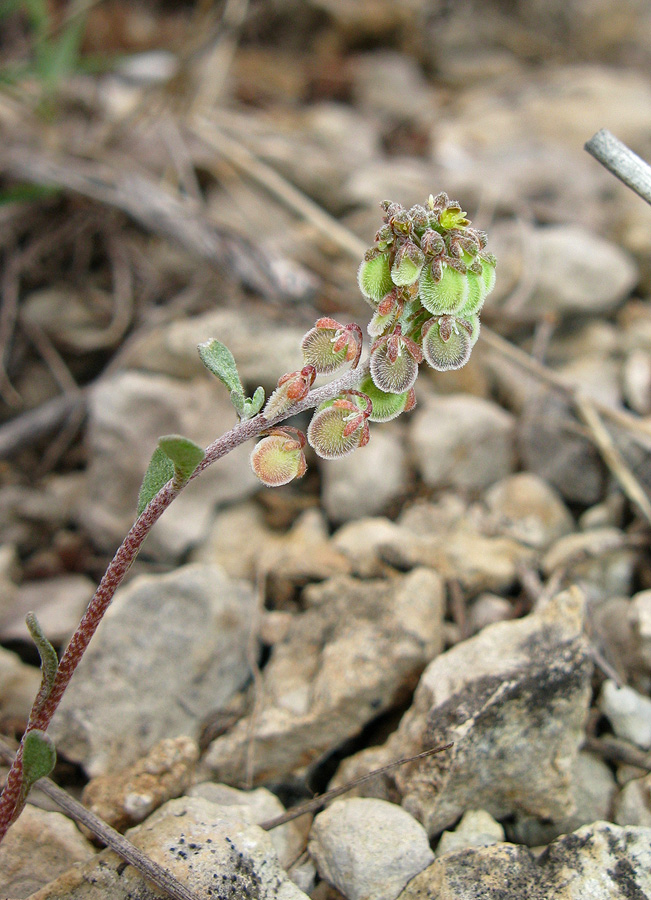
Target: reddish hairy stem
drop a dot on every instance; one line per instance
(10, 806)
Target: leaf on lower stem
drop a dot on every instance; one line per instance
(49, 659)
(184, 454)
(159, 471)
(39, 757)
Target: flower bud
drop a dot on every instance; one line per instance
(444, 294)
(447, 342)
(291, 388)
(407, 265)
(431, 243)
(339, 427)
(374, 275)
(278, 458)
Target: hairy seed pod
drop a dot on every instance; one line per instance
(393, 368)
(337, 429)
(407, 265)
(445, 295)
(386, 406)
(318, 350)
(374, 277)
(446, 343)
(278, 458)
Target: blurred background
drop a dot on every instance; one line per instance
(171, 172)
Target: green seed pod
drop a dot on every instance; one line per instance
(277, 459)
(407, 265)
(445, 295)
(318, 350)
(473, 322)
(379, 323)
(374, 277)
(327, 432)
(446, 343)
(393, 375)
(386, 406)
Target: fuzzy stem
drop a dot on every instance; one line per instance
(11, 801)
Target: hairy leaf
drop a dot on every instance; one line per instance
(220, 361)
(39, 757)
(159, 471)
(49, 659)
(184, 453)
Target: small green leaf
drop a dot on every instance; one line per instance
(184, 454)
(220, 361)
(238, 400)
(254, 404)
(39, 757)
(159, 471)
(49, 659)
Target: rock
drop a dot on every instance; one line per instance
(19, 684)
(59, 604)
(488, 609)
(593, 788)
(600, 861)
(365, 483)
(598, 561)
(580, 272)
(463, 442)
(127, 415)
(205, 848)
(612, 633)
(361, 543)
(128, 797)
(256, 807)
(38, 847)
(477, 828)
(596, 376)
(264, 349)
(170, 649)
(391, 86)
(640, 619)
(636, 377)
(236, 540)
(633, 805)
(526, 508)
(628, 712)
(355, 652)
(551, 448)
(611, 512)
(368, 849)
(498, 696)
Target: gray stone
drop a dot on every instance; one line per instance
(640, 618)
(580, 272)
(628, 712)
(170, 649)
(356, 651)
(361, 542)
(597, 560)
(127, 415)
(39, 846)
(19, 684)
(368, 849)
(207, 849)
(593, 788)
(599, 861)
(488, 609)
(59, 604)
(636, 377)
(256, 807)
(499, 696)
(462, 441)
(526, 508)
(365, 483)
(633, 805)
(477, 828)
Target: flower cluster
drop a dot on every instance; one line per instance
(426, 277)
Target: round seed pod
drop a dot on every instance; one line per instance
(318, 350)
(277, 460)
(446, 295)
(386, 406)
(326, 433)
(446, 343)
(374, 277)
(393, 377)
(407, 265)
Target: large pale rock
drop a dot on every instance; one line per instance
(170, 649)
(365, 483)
(354, 653)
(500, 696)
(633, 805)
(203, 845)
(38, 847)
(462, 441)
(127, 415)
(600, 861)
(368, 849)
(128, 797)
(59, 604)
(526, 508)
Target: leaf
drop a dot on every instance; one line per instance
(184, 454)
(49, 659)
(220, 361)
(39, 757)
(159, 471)
(253, 405)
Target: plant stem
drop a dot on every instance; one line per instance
(40, 717)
